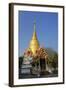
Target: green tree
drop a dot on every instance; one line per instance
(52, 60)
(55, 61)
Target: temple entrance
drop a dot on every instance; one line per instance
(42, 64)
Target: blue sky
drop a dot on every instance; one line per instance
(46, 29)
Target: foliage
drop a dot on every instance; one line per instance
(52, 60)
(55, 61)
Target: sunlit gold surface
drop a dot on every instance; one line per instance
(34, 44)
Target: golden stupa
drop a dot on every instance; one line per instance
(34, 44)
(34, 47)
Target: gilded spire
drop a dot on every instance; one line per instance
(34, 44)
(34, 33)
(34, 26)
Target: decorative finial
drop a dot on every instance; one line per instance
(34, 25)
